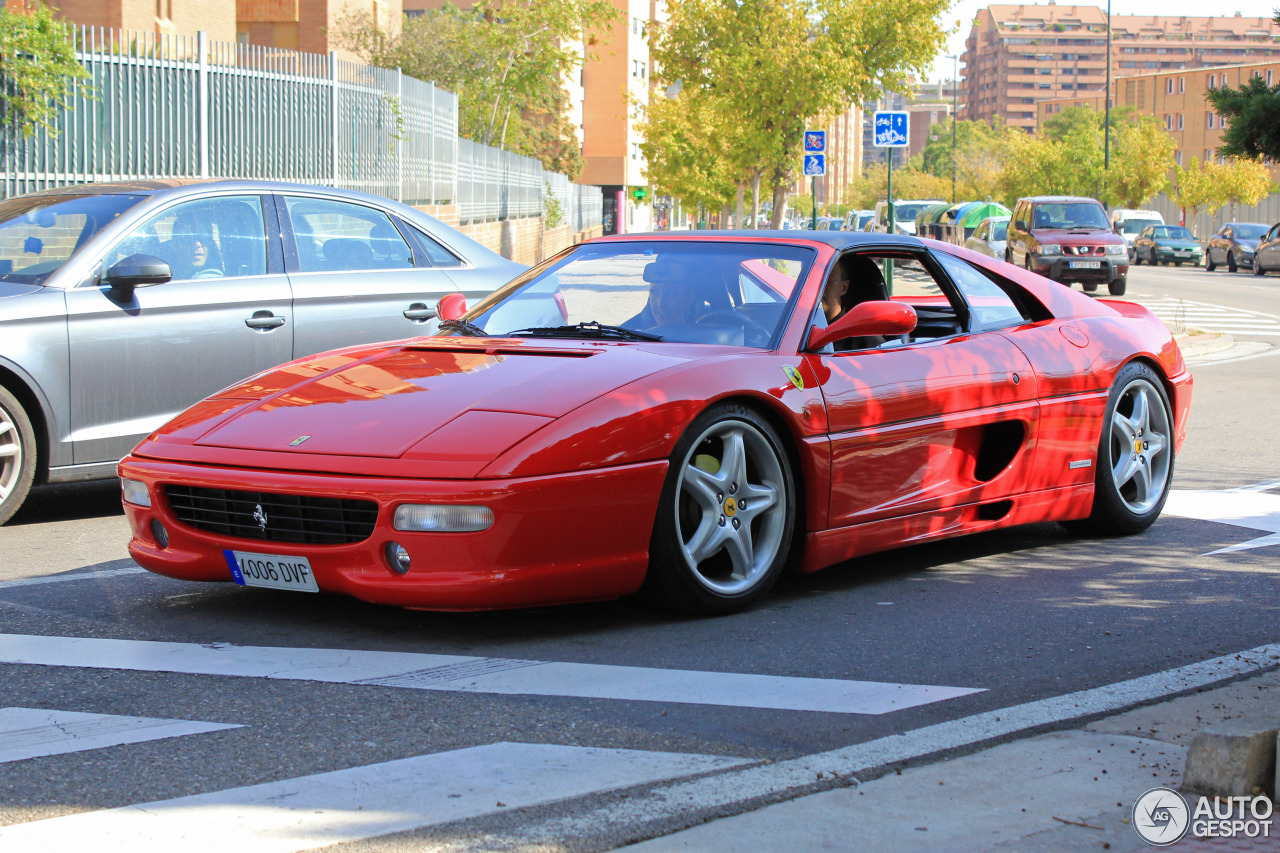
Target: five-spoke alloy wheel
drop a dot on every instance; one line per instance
(1135, 454)
(726, 517)
(17, 455)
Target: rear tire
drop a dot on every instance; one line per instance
(726, 516)
(1088, 286)
(17, 455)
(1131, 485)
(1137, 259)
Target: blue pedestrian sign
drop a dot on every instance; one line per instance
(815, 141)
(815, 164)
(890, 129)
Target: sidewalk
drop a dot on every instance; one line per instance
(1061, 792)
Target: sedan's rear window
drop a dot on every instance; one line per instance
(38, 234)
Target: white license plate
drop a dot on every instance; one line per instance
(273, 571)
(1183, 254)
(1086, 265)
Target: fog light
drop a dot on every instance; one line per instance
(135, 492)
(434, 518)
(159, 534)
(397, 558)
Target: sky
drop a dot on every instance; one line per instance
(965, 10)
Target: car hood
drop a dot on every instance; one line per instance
(1251, 245)
(9, 288)
(449, 404)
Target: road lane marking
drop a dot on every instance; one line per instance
(72, 576)
(360, 802)
(37, 732)
(1212, 318)
(1252, 507)
(690, 801)
(418, 671)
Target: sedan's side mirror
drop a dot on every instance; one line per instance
(124, 275)
(878, 317)
(451, 306)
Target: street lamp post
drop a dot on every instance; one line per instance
(955, 116)
(1106, 131)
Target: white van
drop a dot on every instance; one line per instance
(905, 212)
(1128, 222)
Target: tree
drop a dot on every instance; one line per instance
(37, 64)
(1252, 113)
(1140, 166)
(687, 154)
(505, 59)
(977, 157)
(776, 65)
(1246, 181)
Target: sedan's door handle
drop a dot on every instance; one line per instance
(264, 320)
(419, 313)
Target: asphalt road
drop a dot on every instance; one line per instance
(989, 622)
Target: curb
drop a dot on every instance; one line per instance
(1203, 343)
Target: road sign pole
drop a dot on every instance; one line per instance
(813, 191)
(888, 262)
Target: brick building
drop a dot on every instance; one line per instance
(1017, 56)
(161, 17)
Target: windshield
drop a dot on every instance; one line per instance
(1000, 230)
(1070, 214)
(907, 213)
(690, 292)
(1133, 226)
(39, 233)
(1173, 232)
(1250, 231)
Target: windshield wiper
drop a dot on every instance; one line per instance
(591, 329)
(463, 326)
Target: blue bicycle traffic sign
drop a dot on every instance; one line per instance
(890, 129)
(815, 141)
(815, 164)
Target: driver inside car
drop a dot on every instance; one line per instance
(675, 298)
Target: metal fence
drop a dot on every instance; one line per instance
(184, 107)
(1205, 225)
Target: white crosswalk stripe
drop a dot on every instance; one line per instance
(416, 671)
(1180, 314)
(359, 802)
(38, 732)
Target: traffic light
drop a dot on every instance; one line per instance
(639, 193)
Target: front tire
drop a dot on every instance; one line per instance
(726, 516)
(1118, 286)
(1135, 454)
(1209, 265)
(1258, 269)
(17, 455)
(1232, 266)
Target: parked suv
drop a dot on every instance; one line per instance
(1067, 238)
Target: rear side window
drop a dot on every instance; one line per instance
(989, 306)
(335, 236)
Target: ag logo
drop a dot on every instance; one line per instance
(794, 375)
(1161, 816)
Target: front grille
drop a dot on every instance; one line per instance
(1083, 250)
(302, 519)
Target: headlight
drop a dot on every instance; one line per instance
(1117, 250)
(135, 492)
(436, 518)
(1050, 249)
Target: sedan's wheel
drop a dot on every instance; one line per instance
(726, 515)
(1209, 265)
(1258, 269)
(1232, 266)
(1135, 454)
(17, 455)
(1137, 259)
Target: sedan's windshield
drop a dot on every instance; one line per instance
(1133, 226)
(1250, 231)
(691, 292)
(39, 233)
(1000, 230)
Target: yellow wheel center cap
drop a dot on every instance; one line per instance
(730, 507)
(1137, 446)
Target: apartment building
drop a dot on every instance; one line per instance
(1177, 100)
(159, 17)
(1017, 56)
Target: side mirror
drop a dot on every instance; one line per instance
(451, 306)
(124, 275)
(878, 317)
(1021, 225)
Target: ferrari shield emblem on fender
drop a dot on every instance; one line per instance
(299, 440)
(794, 375)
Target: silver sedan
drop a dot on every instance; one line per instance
(122, 304)
(989, 238)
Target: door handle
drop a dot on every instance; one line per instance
(419, 313)
(264, 320)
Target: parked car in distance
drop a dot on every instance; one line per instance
(1233, 245)
(1267, 255)
(123, 303)
(1166, 244)
(905, 212)
(1068, 239)
(666, 406)
(990, 236)
(1128, 223)
(856, 220)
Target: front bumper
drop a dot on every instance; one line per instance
(1181, 256)
(555, 539)
(1059, 268)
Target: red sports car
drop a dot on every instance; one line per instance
(679, 414)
